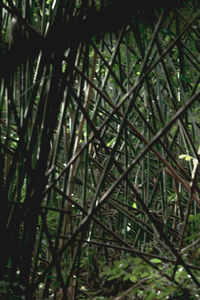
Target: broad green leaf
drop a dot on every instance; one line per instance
(133, 278)
(134, 205)
(156, 260)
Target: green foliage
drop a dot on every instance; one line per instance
(12, 290)
(149, 282)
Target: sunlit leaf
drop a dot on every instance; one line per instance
(134, 205)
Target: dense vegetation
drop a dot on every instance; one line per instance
(99, 150)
